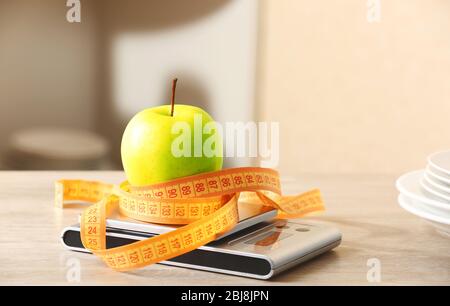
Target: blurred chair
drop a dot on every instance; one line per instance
(56, 149)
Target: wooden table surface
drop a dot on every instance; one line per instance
(363, 207)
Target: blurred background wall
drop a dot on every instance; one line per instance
(95, 75)
(48, 67)
(350, 95)
(354, 96)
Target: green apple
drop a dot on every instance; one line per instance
(149, 139)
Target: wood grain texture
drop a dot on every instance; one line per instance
(364, 207)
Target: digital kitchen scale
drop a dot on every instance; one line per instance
(258, 247)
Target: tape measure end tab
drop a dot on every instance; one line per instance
(59, 195)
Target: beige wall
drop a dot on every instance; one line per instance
(47, 66)
(353, 96)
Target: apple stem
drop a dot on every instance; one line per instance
(174, 88)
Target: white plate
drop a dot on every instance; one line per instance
(409, 185)
(440, 212)
(439, 176)
(440, 161)
(436, 184)
(433, 191)
(441, 225)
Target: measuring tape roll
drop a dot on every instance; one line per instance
(206, 204)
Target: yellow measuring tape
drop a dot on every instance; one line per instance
(206, 204)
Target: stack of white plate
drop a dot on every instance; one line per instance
(426, 193)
